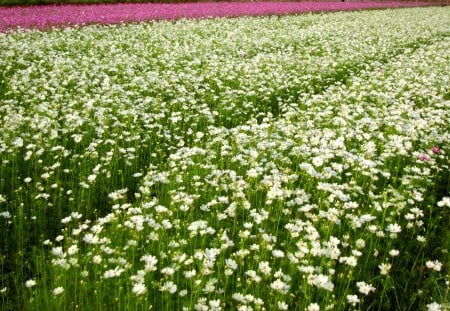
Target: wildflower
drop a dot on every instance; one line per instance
(57, 251)
(278, 253)
(313, 307)
(73, 249)
(435, 265)
(214, 305)
(30, 283)
(282, 305)
(231, 264)
(139, 289)
(5, 214)
(183, 292)
(190, 274)
(264, 268)
(58, 291)
(150, 262)
(59, 238)
(279, 286)
(169, 286)
(421, 239)
(365, 288)
(394, 252)
(18, 142)
(434, 306)
(360, 243)
(113, 273)
(394, 228)
(353, 299)
(436, 150)
(444, 202)
(424, 157)
(384, 268)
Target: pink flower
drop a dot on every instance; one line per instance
(424, 157)
(46, 16)
(436, 150)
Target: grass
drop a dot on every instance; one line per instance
(252, 163)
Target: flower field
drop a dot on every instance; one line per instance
(254, 163)
(48, 16)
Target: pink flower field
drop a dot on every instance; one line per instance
(43, 16)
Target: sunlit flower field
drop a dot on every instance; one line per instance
(254, 163)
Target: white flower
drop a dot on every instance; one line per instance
(278, 253)
(58, 291)
(421, 239)
(169, 286)
(384, 268)
(214, 305)
(435, 265)
(353, 299)
(57, 251)
(168, 271)
(59, 238)
(360, 243)
(113, 273)
(282, 305)
(394, 228)
(365, 288)
(444, 202)
(190, 274)
(279, 286)
(394, 252)
(150, 262)
(30, 283)
(264, 268)
(5, 214)
(73, 249)
(321, 281)
(18, 142)
(139, 289)
(313, 307)
(231, 264)
(91, 178)
(434, 306)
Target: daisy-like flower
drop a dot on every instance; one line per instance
(436, 150)
(435, 265)
(365, 288)
(384, 268)
(394, 228)
(313, 307)
(264, 268)
(282, 305)
(58, 291)
(424, 157)
(139, 289)
(394, 252)
(30, 283)
(279, 286)
(434, 306)
(444, 202)
(353, 299)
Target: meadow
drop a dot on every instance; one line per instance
(254, 163)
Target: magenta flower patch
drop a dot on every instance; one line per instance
(42, 17)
